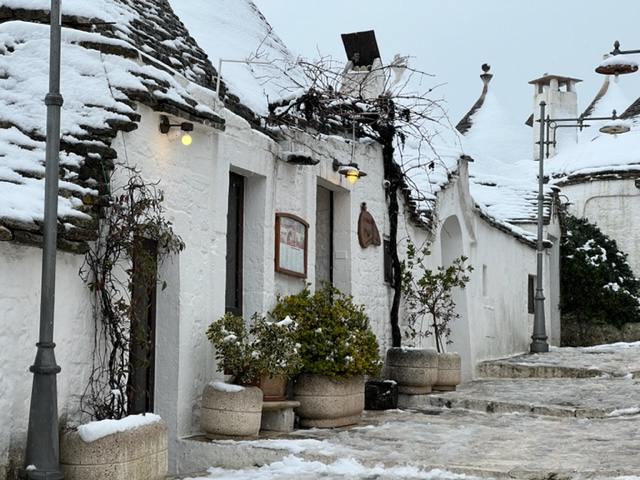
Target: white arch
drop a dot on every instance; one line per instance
(452, 248)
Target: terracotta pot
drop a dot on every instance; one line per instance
(273, 388)
(327, 402)
(231, 410)
(449, 372)
(415, 370)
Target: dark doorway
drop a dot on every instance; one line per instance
(142, 336)
(324, 235)
(235, 221)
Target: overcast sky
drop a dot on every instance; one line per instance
(451, 39)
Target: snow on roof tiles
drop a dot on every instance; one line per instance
(135, 51)
(104, 72)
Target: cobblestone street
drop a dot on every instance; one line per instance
(580, 421)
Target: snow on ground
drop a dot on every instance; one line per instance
(460, 444)
(292, 467)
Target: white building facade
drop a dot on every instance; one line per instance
(224, 195)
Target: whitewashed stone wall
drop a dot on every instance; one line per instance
(613, 205)
(195, 182)
(20, 277)
(494, 320)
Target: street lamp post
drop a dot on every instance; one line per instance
(42, 456)
(539, 337)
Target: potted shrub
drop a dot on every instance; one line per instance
(263, 350)
(260, 358)
(337, 348)
(429, 301)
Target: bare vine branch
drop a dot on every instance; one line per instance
(115, 270)
(378, 102)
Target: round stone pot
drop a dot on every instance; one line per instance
(132, 454)
(231, 410)
(449, 372)
(415, 370)
(327, 402)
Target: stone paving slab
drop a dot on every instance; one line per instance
(556, 427)
(511, 446)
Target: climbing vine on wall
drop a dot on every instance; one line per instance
(120, 271)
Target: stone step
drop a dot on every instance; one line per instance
(597, 397)
(583, 362)
(512, 369)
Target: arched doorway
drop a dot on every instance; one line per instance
(451, 242)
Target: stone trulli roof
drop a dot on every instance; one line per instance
(609, 98)
(114, 54)
(464, 125)
(633, 111)
(236, 31)
(503, 176)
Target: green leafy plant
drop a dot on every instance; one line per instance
(596, 281)
(431, 295)
(333, 332)
(248, 353)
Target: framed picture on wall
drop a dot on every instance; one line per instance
(291, 245)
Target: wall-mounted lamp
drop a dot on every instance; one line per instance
(350, 171)
(185, 127)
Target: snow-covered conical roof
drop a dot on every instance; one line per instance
(489, 128)
(236, 31)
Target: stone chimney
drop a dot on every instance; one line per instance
(559, 94)
(363, 76)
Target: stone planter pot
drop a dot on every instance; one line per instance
(230, 410)
(135, 454)
(327, 402)
(415, 370)
(449, 372)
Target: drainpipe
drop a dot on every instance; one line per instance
(42, 456)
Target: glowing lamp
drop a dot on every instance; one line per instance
(350, 171)
(186, 127)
